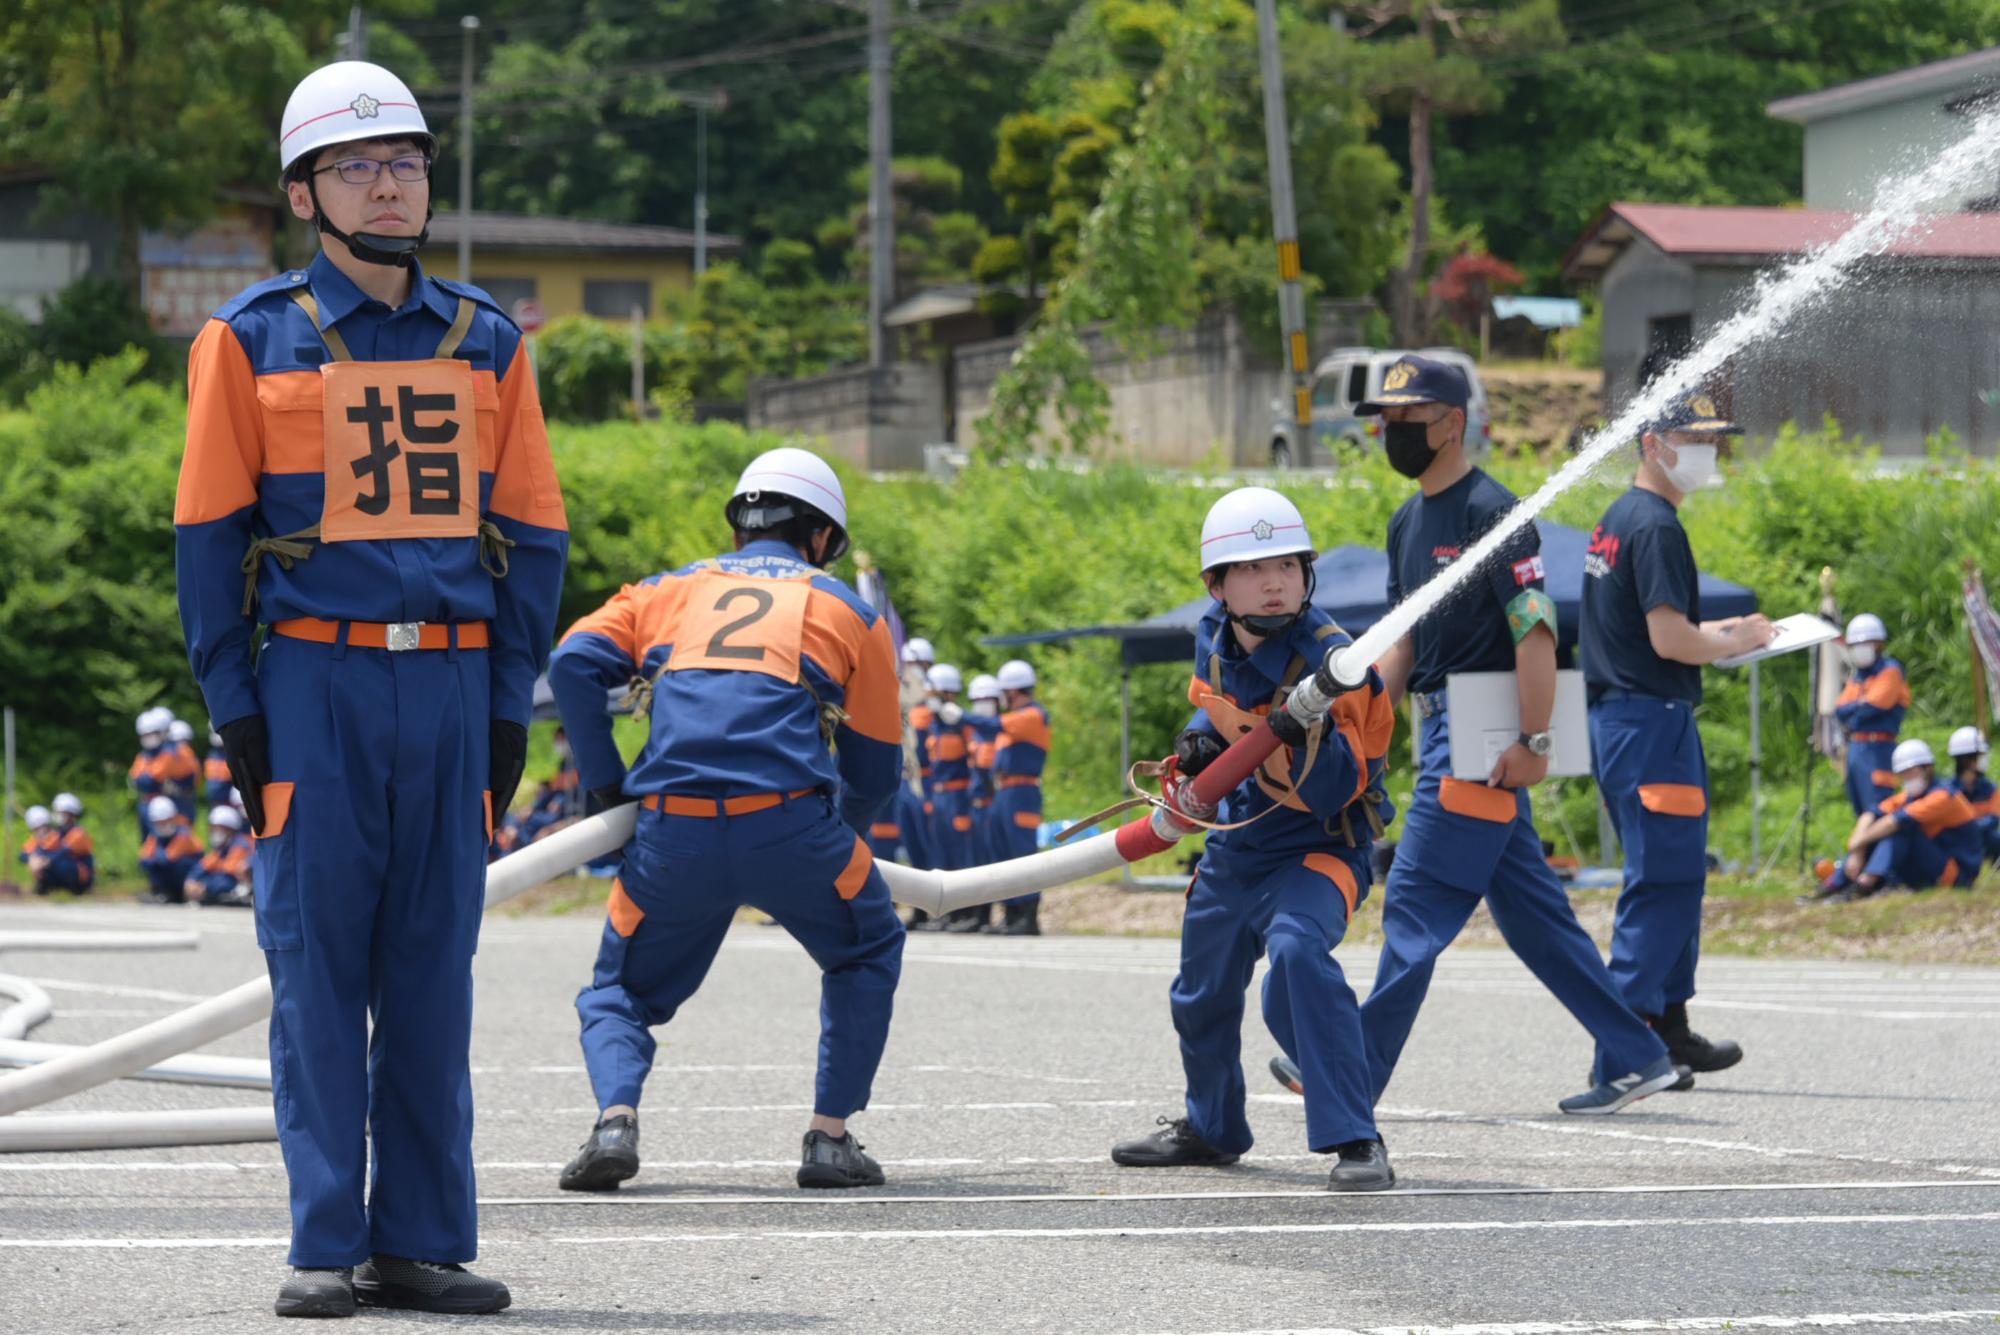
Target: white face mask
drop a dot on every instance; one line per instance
(1695, 467)
(986, 708)
(1863, 655)
(1914, 788)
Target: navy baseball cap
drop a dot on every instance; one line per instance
(1693, 410)
(1419, 380)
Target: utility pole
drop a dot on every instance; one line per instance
(469, 25)
(881, 212)
(700, 188)
(1285, 226)
(354, 43)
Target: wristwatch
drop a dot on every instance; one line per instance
(1539, 743)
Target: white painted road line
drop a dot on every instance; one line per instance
(633, 1198)
(822, 1236)
(1639, 1325)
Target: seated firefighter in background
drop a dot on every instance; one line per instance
(170, 851)
(223, 874)
(1925, 835)
(70, 860)
(39, 849)
(774, 740)
(1967, 749)
(1284, 883)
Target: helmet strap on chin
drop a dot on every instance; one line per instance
(372, 247)
(1264, 625)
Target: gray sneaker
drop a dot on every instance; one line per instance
(427, 1286)
(1609, 1097)
(827, 1162)
(1363, 1166)
(310, 1292)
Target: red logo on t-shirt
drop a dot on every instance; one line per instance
(1601, 557)
(1529, 570)
(1441, 553)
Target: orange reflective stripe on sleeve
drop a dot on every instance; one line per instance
(1941, 809)
(78, 843)
(1849, 693)
(225, 443)
(620, 620)
(625, 915)
(1882, 778)
(855, 874)
(524, 472)
(1888, 689)
(1464, 797)
(1673, 799)
(860, 656)
(1339, 873)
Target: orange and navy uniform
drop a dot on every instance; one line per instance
(1020, 753)
(1980, 791)
(1943, 816)
(255, 468)
(746, 655)
(216, 778)
(175, 843)
(1870, 711)
(42, 843)
(949, 747)
(222, 869)
(168, 768)
(72, 860)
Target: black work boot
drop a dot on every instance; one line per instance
(1175, 1145)
(427, 1286)
(1363, 1166)
(829, 1162)
(921, 921)
(1690, 1049)
(610, 1156)
(1026, 921)
(317, 1292)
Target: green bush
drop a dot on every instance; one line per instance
(89, 635)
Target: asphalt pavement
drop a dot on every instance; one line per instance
(1846, 1175)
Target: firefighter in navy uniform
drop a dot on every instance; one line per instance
(1643, 645)
(366, 449)
(1464, 840)
(773, 742)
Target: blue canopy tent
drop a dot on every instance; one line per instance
(1351, 584)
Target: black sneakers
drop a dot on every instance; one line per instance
(610, 1156)
(426, 1286)
(1174, 1145)
(1363, 1166)
(317, 1293)
(826, 1162)
(1690, 1049)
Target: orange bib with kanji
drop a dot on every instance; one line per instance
(402, 451)
(741, 623)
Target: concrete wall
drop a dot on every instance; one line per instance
(873, 419)
(1905, 351)
(1847, 155)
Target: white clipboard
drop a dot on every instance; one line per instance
(1794, 632)
(1485, 719)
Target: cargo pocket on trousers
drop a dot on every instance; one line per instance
(1462, 797)
(1674, 817)
(275, 864)
(855, 874)
(625, 915)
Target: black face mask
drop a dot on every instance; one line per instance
(1408, 445)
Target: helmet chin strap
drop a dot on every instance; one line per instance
(1265, 626)
(372, 247)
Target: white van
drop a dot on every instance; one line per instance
(1345, 379)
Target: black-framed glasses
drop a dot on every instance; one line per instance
(411, 167)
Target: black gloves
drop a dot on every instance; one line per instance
(1195, 749)
(246, 744)
(1290, 731)
(507, 757)
(600, 800)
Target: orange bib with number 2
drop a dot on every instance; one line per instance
(741, 623)
(402, 451)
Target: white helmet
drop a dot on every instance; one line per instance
(800, 477)
(985, 686)
(917, 649)
(227, 818)
(944, 677)
(1967, 741)
(1250, 524)
(154, 720)
(346, 101)
(162, 808)
(181, 731)
(38, 818)
(1017, 674)
(68, 804)
(1867, 629)
(1910, 754)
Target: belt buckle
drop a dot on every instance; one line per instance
(404, 635)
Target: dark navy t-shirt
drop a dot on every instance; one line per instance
(1468, 632)
(1638, 559)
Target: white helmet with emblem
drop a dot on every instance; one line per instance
(1017, 674)
(68, 804)
(945, 677)
(161, 808)
(38, 818)
(1867, 629)
(1252, 524)
(789, 483)
(917, 649)
(985, 686)
(346, 101)
(1910, 754)
(1967, 741)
